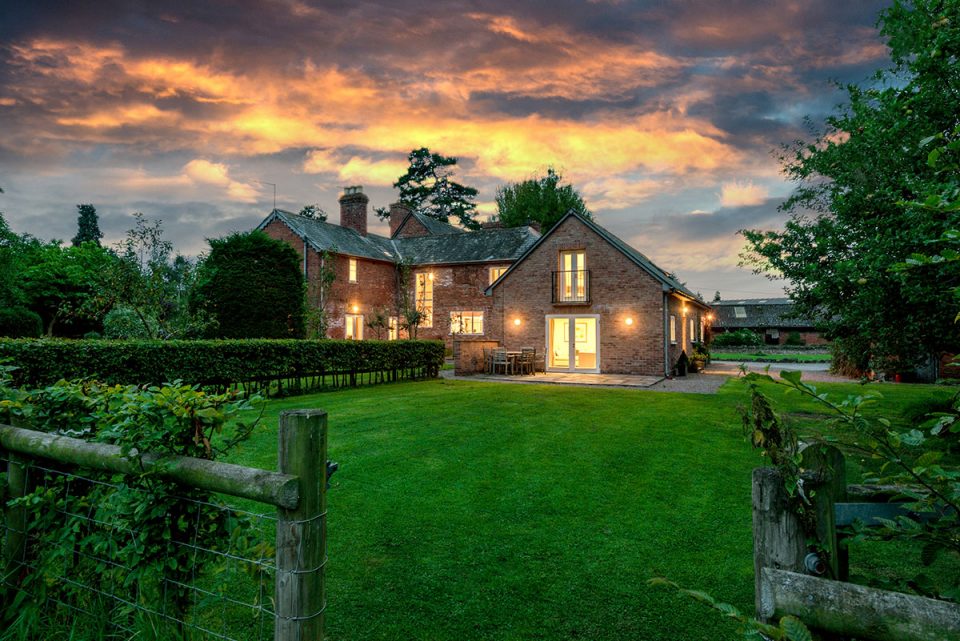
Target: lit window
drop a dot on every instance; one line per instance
(353, 270)
(673, 329)
(353, 327)
(740, 312)
(466, 322)
(495, 273)
(424, 297)
(692, 335)
(573, 277)
(393, 328)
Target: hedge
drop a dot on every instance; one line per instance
(19, 322)
(221, 363)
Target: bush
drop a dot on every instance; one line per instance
(216, 362)
(740, 337)
(794, 338)
(123, 322)
(20, 322)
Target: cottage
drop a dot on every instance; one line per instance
(773, 318)
(584, 299)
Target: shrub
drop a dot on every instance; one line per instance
(123, 322)
(794, 338)
(19, 322)
(740, 337)
(212, 362)
(252, 286)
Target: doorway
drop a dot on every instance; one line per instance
(572, 344)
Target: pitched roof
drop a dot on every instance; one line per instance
(668, 280)
(485, 245)
(758, 313)
(446, 247)
(431, 224)
(325, 236)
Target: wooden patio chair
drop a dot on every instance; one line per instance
(528, 360)
(500, 360)
(487, 360)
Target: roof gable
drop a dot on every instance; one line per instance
(430, 225)
(669, 282)
(324, 236)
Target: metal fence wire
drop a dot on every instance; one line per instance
(80, 562)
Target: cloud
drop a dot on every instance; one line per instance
(741, 194)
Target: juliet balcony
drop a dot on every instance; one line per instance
(571, 287)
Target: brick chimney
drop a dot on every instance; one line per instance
(353, 209)
(398, 211)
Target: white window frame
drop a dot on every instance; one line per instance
(573, 281)
(424, 302)
(739, 311)
(353, 269)
(466, 319)
(495, 273)
(353, 327)
(693, 335)
(673, 329)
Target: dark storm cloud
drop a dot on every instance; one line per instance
(722, 223)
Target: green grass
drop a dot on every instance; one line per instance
(468, 510)
(765, 357)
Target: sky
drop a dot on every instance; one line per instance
(666, 115)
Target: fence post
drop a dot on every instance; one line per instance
(827, 465)
(778, 538)
(15, 520)
(301, 532)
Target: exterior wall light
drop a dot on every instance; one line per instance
(684, 309)
(430, 275)
(356, 308)
(516, 321)
(629, 321)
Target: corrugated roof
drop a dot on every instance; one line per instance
(758, 313)
(485, 245)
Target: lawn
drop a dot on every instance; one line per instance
(766, 357)
(468, 510)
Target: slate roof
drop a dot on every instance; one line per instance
(488, 245)
(760, 313)
(485, 245)
(668, 280)
(431, 224)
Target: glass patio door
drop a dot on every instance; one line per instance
(572, 343)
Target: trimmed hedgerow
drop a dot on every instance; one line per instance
(19, 322)
(219, 362)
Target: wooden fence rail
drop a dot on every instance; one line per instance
(297, 490)
(804, 573)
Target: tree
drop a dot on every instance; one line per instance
(88, 226)
(716, 296)
(252, 286)
(539, 200)
(313, 212)
(427, 188)
(59, 284)
(850, 216)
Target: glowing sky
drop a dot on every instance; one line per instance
(664, 114)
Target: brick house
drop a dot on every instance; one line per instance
(584, 299)
(773, 318)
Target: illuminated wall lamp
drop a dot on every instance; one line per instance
(628, 321)
(516, 321)
(356, 308)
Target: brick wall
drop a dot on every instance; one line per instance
(456, 288)
(468, 355)
(619, 290)
(375, 287)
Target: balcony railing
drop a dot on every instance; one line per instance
(571, 287)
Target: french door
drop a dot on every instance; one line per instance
(573, 343)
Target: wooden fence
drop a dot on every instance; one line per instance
(297, 490)
(806, 576)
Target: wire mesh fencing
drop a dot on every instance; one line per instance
(116, 556)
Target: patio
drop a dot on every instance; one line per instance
(568, 378)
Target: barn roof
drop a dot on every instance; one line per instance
(758, 313)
